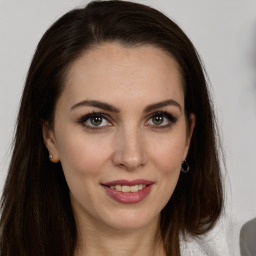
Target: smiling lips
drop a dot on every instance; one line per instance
(128, 192)
(125, 189)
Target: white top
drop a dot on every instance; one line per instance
(214, 243)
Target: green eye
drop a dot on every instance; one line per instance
(96, 120)
(161, 120)
(158, 120)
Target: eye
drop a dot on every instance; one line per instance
(94, 121)
(161, 119)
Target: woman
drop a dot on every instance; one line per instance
(116, 145)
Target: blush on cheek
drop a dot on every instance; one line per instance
(171, 173)
(81, 159)
(169, 160)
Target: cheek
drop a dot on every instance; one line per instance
(167, 154)
(167, 159)
(82, 155)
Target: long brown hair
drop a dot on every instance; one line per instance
(37, 217)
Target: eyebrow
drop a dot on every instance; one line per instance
(165, 103)
(97, 104)
(111, 108)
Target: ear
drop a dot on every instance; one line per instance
(191, 126)
(50, 141)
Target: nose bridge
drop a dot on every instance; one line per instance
(129, 148)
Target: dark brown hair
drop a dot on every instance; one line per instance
(37, 217)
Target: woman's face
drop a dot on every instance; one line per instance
(120, 134)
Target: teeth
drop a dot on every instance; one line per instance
(125, 189)
(134, 188)
(118, 188)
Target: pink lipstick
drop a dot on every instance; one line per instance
(128, 192)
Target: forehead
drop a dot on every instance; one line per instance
(112, 71)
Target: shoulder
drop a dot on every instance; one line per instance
(203, 247)
(191, 247)
(214, 243)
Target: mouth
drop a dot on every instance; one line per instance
(127, 186)
(128, 192)
(128, 189)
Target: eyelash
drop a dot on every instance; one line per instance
(163, 114)
(170, 119)
(87, 117)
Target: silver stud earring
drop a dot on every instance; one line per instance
(184, 167)
(50, 157)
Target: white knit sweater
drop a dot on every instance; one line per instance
(215, 243)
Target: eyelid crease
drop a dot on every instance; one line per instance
(172, 119)
(92, 114)
(164, 113)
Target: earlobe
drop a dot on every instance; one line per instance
(50, 142)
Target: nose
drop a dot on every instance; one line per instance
(129, 149)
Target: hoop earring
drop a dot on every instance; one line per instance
(184, 167)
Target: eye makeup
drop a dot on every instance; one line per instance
(161, 120)
(95, 121)
(98, 120)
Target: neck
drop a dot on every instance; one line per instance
(102, 241)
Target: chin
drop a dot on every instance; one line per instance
(131, 220)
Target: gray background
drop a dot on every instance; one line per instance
(224, 33)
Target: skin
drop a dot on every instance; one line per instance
(128, 144)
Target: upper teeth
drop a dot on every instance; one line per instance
(134, 188)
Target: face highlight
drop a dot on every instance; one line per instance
(120, 134)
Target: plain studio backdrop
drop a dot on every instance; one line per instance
(224, 33)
